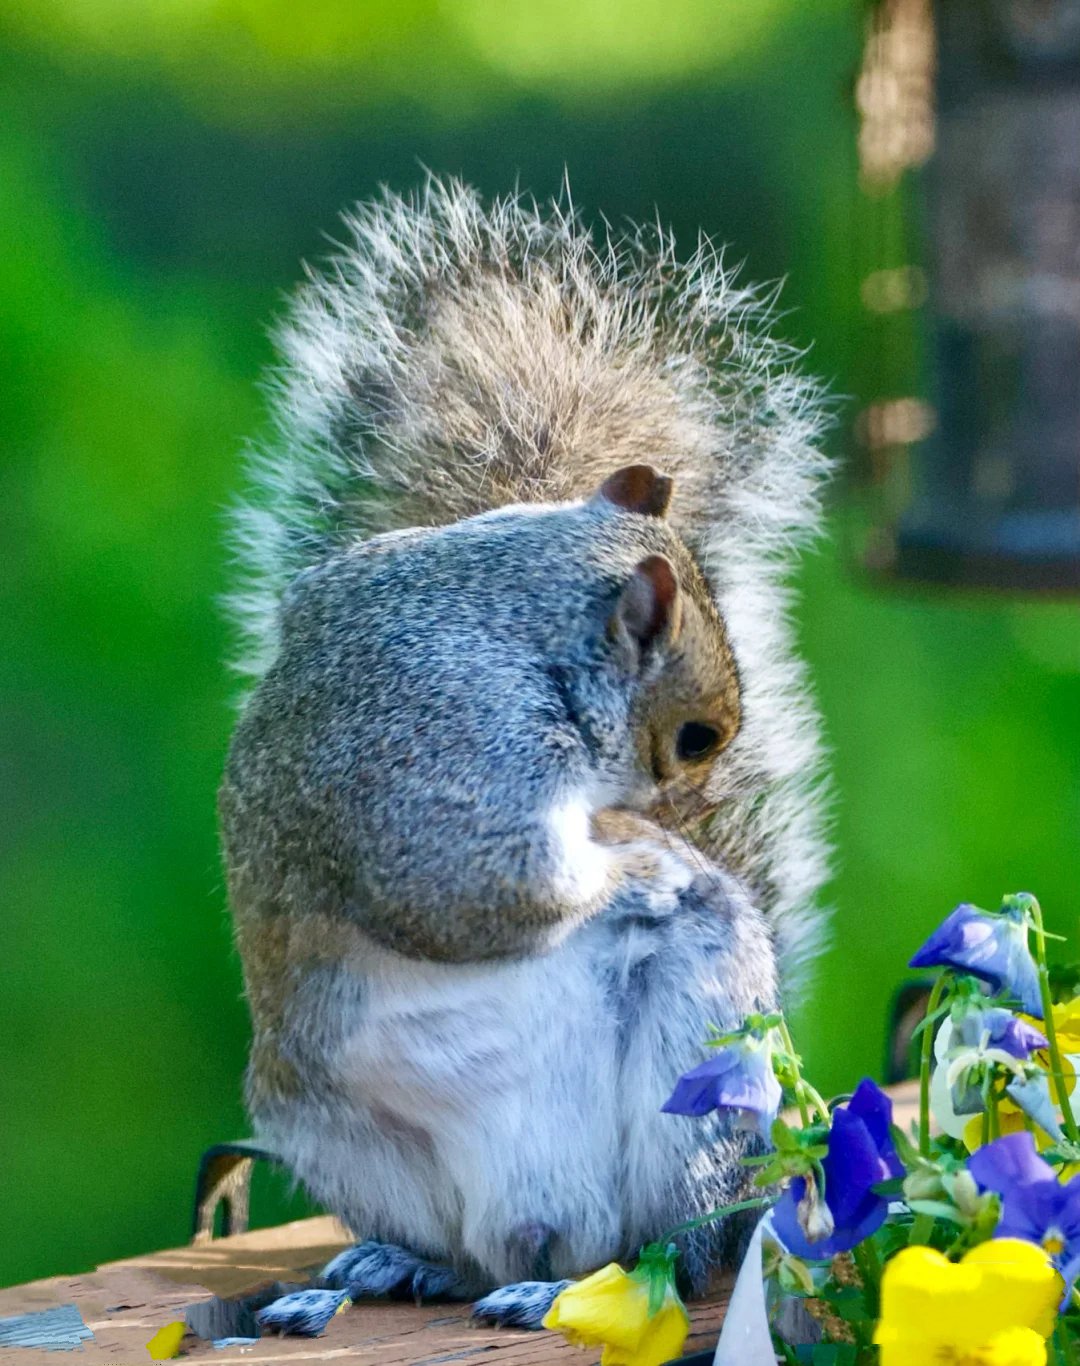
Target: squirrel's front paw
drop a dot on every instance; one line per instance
(658, 861)
(522, 1305)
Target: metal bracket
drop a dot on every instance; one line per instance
(906, 1013)
(225, 1179)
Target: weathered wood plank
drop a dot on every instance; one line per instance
(124, 1303)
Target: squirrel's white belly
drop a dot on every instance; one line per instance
(528, 1092)
(481, 1071)
(465, 1103)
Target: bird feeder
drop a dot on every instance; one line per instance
(969, 180)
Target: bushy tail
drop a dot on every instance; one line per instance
(454, 358)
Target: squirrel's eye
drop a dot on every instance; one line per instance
(696, 740)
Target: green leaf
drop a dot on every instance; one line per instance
(783, 1137)
(905, 1149)
(852, 1309)
(928, 1021)
(894, 1186)
(937, 1209)
(1061, 1152)
(794, 1277)
(896, 1234)
(834, 1354)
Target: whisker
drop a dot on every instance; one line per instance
(704, 864)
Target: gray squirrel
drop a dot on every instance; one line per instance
(527, 793)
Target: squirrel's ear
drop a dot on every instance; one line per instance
(649, 606)
(637, 488)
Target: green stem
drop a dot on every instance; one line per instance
(995, 1118)
(869, 1264)
(816, 1100)
(938, 990)
(1057, 1072)
(800, 1085)
(1064, 1341)
(921, 1228)
(758, 1202)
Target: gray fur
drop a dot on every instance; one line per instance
(470, 997)
(471, 1103)
(454, 358)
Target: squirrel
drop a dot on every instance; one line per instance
(527, 794)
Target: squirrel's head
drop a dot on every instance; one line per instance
(670, 639)
(517, 656)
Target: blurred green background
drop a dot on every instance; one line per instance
(164, 167)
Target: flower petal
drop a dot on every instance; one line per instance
(609, 1306)
(1033, 1097)
(874, 1108)
(1008, 1163)
(165, 1344)
(852, 1166)
(861, 1154)
(924, 1298)
(993, 947)
(1019, 1285)
(737, 1077)
(1017, 1037)
(933, 1309)
(1014, 1347)
(864, 1220)
(942, 1107)
(1067, 1025)
(662, 1339)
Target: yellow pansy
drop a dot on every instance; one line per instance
(165, 1343)
(1066, 1025)
(995, 1307)
(610, 1308)
(1010, 1121)
(1067, 1028)
(1012, 1347)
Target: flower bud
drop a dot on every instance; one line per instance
(924, 1183)
(965, 1193)
(813, 1213)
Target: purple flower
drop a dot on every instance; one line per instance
(970, 1042)
(991, 947)
(1004, 1030)
(737, 1077)
(860, 1155)
(1035, 1205)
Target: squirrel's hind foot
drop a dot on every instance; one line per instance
(521, 1305)
(373, 1268)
